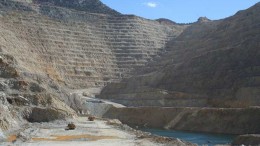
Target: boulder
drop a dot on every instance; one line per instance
(71, 126)
(91, 118)
(46, 114)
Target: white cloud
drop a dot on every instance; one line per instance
(151, 4)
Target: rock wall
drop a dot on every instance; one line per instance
(22, 97)
(212, 120)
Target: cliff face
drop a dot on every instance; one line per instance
(212, 63)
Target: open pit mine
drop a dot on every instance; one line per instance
(80, 73)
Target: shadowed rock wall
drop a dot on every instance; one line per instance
(213, 120)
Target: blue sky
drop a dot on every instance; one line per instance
(181, 11)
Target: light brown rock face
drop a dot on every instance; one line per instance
(212, 63)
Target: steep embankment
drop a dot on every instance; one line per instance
(212, 63)
(212, 120)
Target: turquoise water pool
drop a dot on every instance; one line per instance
(198, 138)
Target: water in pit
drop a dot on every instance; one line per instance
(198, 138)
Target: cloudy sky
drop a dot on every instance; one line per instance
(181, 11)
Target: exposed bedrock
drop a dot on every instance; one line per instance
(24, 99)
(16, 110)
(46, 115)
(213, 120)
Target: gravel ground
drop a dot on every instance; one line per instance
(87, 133)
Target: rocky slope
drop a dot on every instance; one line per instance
(24, 99)
(212, 63)
(50, 47)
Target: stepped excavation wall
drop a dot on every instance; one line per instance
(77, 48)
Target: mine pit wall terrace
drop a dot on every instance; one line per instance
(211, 64)
(80, 49)
(211, 120)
